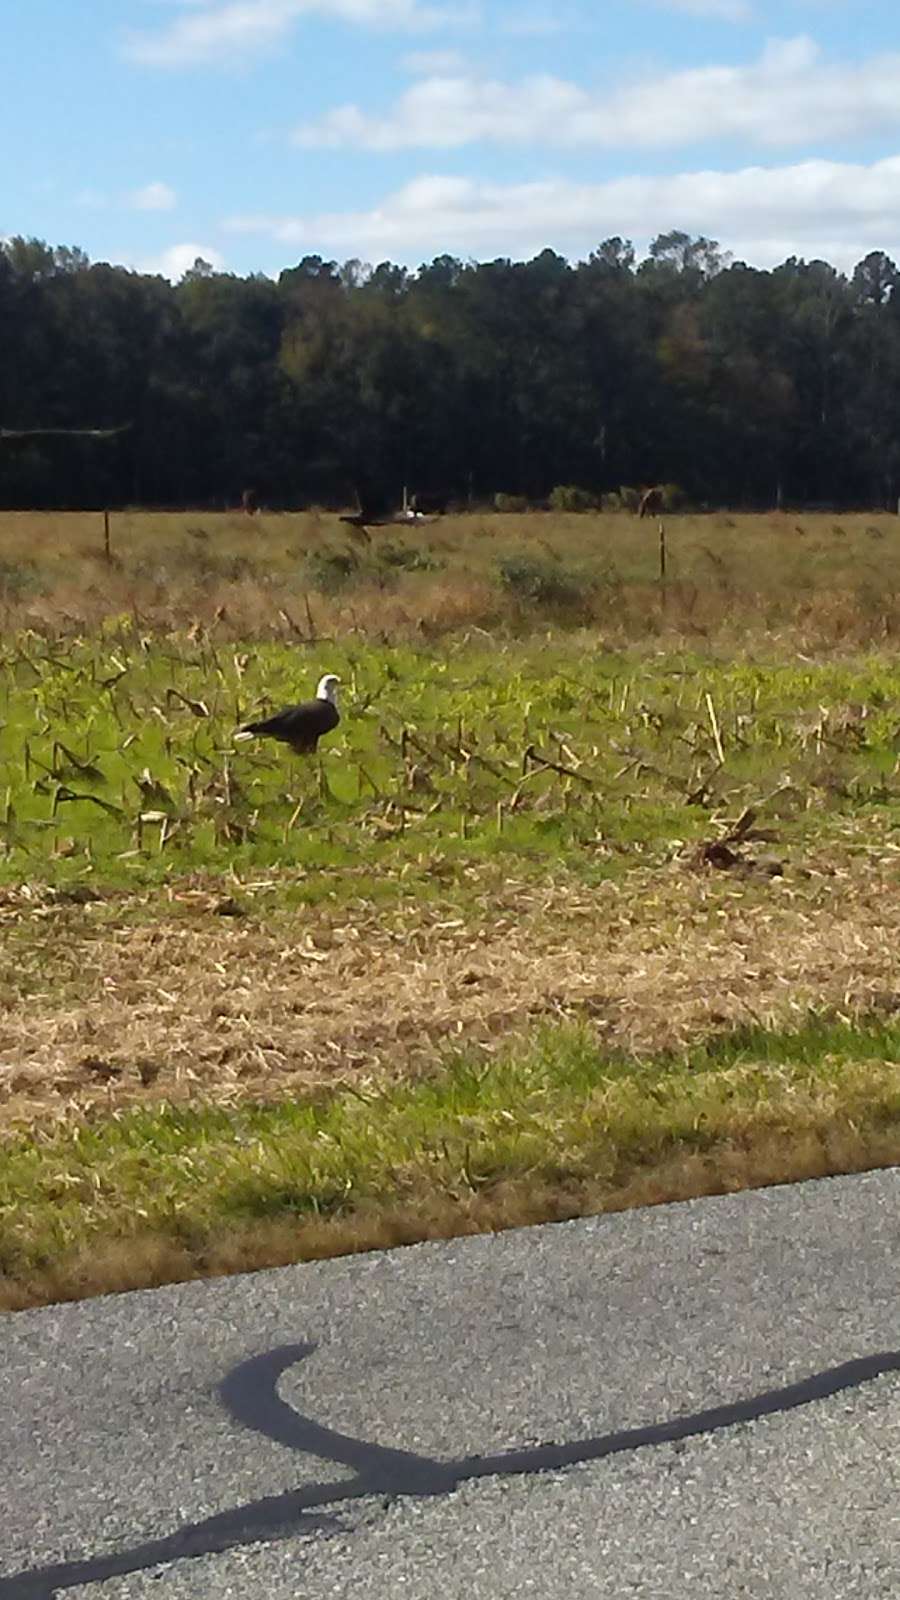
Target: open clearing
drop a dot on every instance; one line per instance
(538, 860)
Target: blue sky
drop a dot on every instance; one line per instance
(256, 131)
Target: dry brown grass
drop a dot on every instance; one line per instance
(825, 580)
(171, 1002)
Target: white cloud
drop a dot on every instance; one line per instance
(720, 10)
(534, 24)
(790, 95)
(433, 62)
(445, 112)
(179, 258)
(831, 209)
(241, 28)
(153, 197)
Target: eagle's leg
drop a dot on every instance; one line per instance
(324, 789)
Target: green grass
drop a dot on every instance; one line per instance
(550, 1126)
(118, 766)
(520, 708)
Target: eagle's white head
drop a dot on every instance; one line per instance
(327, 689)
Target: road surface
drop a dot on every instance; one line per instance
(700, 1400)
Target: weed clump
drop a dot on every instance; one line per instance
(18, 580)
(623, 499)
(672, 497)
(329, 571)
(570, 497)
(406, 558)
(545, 583)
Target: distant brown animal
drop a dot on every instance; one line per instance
(250, 502)
(651, 503)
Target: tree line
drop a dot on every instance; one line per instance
(744, 387)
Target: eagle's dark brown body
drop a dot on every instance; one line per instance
(301, 726)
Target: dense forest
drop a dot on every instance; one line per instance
(745, 387)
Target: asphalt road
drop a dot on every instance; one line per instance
(697, 1401)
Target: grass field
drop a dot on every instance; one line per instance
(828, 580)
(574, 909)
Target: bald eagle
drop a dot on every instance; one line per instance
(300, 726)
(375, 507)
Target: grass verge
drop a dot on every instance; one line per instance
(551, 1126)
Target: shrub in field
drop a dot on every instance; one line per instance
(629, 498)
(199, 563)
(673, 496)
(544, 583)
(408, 559)
(569, 497)
(510, 502)
(18, 579)
(329, 570)
(229, 568)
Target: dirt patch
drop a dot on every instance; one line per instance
(198, 1006)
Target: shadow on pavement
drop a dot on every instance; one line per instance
(250, 1395)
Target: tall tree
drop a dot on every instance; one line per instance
(743, 385)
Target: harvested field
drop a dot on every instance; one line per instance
(183, 1005)
(590, 900)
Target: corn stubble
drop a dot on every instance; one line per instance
(460, 970)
